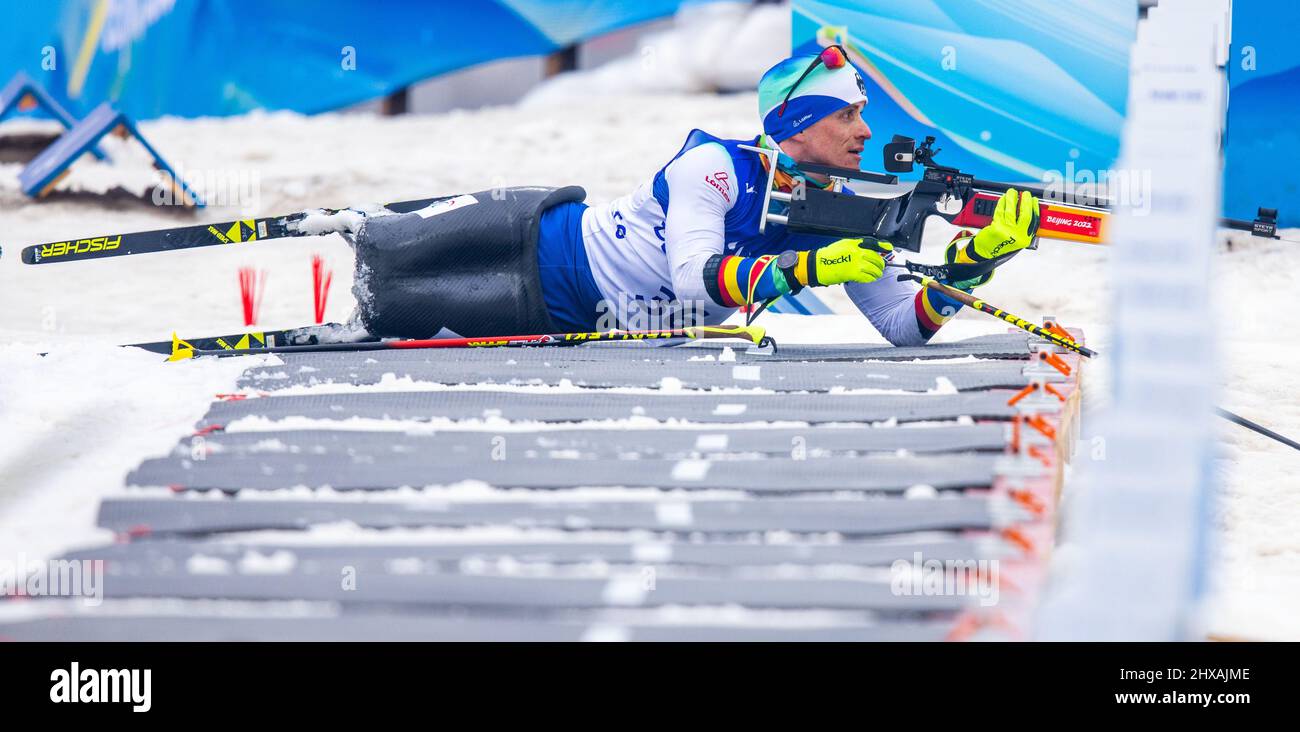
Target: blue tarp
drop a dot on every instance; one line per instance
(222, 57)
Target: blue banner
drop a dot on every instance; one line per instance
(1263, 118)
(1011, 89)
(221, 57)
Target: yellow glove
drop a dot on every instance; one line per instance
(847, 260)
(1010, 231)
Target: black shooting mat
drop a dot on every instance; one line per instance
(389, 587)
(217, 620)
(651, 373)
(599, 404)
(266, 471)
(866, 516)
(715, 440)
(138, 556)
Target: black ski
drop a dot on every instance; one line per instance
(187, 237)
(306, 336)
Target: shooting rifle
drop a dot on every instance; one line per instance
(900, 217)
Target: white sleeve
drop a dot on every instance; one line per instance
(702, 188)
(890, 305)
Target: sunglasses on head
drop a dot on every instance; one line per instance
(833, 57)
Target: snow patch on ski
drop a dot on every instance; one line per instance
(346, 221)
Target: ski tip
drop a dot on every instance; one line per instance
(31, 255)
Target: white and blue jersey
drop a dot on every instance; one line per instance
(649, 249)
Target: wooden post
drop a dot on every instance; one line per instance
(565, 59)
(396, 103)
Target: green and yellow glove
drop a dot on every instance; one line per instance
(1014, 225)
(1012, 228)
(733, 281)
(846, 260)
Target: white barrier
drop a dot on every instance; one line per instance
(1135, 544)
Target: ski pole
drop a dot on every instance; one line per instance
(1256, 427)
(182, 350)
(967, 299)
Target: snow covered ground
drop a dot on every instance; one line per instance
(1259, 517)
(74, 422)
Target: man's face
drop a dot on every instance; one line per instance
(836, 139)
